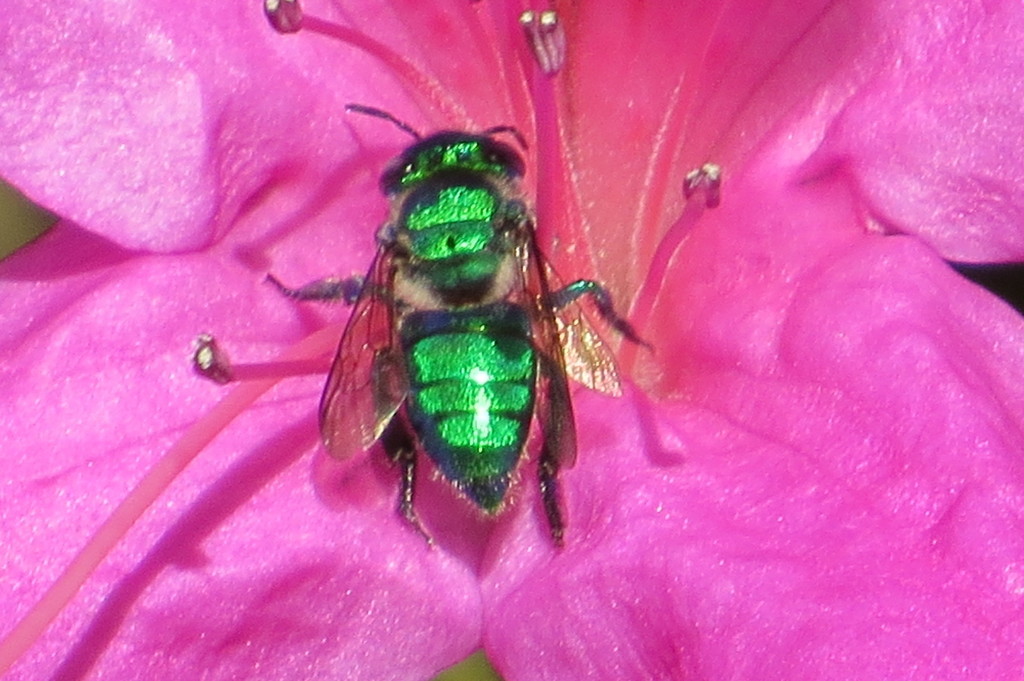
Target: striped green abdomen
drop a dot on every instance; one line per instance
(471, 378)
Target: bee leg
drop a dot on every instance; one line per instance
(400, 448)
(602, 301)
(558, 444)
(548, 472)
(329, 289)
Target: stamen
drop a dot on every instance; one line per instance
(647, 296)
(546, 38)
(284, 15)
(706, 179)
(210, 361)
(553, 203)
(152, 485)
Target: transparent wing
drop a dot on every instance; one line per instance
(586, 358)
(367, 383)
(554, 404)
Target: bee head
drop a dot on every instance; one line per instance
(451, 151)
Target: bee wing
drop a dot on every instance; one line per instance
(586, 358)
(367, 383)
(554, 404)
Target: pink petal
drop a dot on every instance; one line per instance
(240, 565)
(162, 125)
(930, 134)
(839, 496)
(805, 509)
(117, 330)
(702, 83)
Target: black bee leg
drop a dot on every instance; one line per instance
(602, 301)
(407, 460)
(210, 361)
(558, 446)
(548, 472)
(329, 289)
(400, 448)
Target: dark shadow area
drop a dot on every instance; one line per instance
(63, 251)
(1005, 280)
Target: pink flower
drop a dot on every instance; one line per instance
(820, 476)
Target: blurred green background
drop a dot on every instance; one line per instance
(473, 668)
(20, 221)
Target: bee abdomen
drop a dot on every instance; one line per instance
(471, 377)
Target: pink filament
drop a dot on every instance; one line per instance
(550, 188)
(278, 370)
(160, 476)
(417, 82)
(646, 297)
(557, 202)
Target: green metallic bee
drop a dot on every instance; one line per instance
(454, 346)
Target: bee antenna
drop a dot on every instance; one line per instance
(380, 113)
(512, 130)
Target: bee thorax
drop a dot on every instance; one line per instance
(429, 286)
